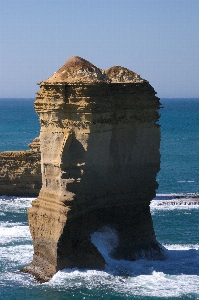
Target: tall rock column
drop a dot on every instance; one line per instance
(100, 157)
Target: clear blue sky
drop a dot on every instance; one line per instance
(158, 39)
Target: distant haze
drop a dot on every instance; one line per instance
(158, 39)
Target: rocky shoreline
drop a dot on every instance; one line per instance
(20, 171)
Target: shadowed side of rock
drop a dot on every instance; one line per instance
(99, 157)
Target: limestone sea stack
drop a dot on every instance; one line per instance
(20, 171)
(99, 143)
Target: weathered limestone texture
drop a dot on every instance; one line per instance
(20, 171)
(100, 157)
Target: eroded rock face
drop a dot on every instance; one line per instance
(20, 171)
(100, 157)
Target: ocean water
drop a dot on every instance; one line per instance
(19, 123)
(176, 226)
(179, 146)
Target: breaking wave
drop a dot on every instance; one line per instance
(177, 277)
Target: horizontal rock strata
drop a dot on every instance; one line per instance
(99, 158)
(20, 171)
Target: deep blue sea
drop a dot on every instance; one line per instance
(176, 226)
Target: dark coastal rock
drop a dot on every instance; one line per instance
(99, 157)
(20, 171)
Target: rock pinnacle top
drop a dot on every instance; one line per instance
(77, 70)
(80, 70)
(119, 74)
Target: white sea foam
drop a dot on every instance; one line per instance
(183, 181)
(105, 239)
(14, 204)
(171, 205)
(179, 247)
(156, 284)
(174, 277)
(13, 232)
(12, 259)
(18, 254)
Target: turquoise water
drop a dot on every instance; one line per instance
(179, 146)
(19, 124)
(179, 121)
(176, 227)
(177, 277)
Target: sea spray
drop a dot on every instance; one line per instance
(175, 278)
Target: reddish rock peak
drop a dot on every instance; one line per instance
(76, 62)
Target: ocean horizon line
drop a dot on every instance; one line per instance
(157, 96)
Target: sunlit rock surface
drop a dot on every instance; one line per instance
(99, 156)
(20, 171)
